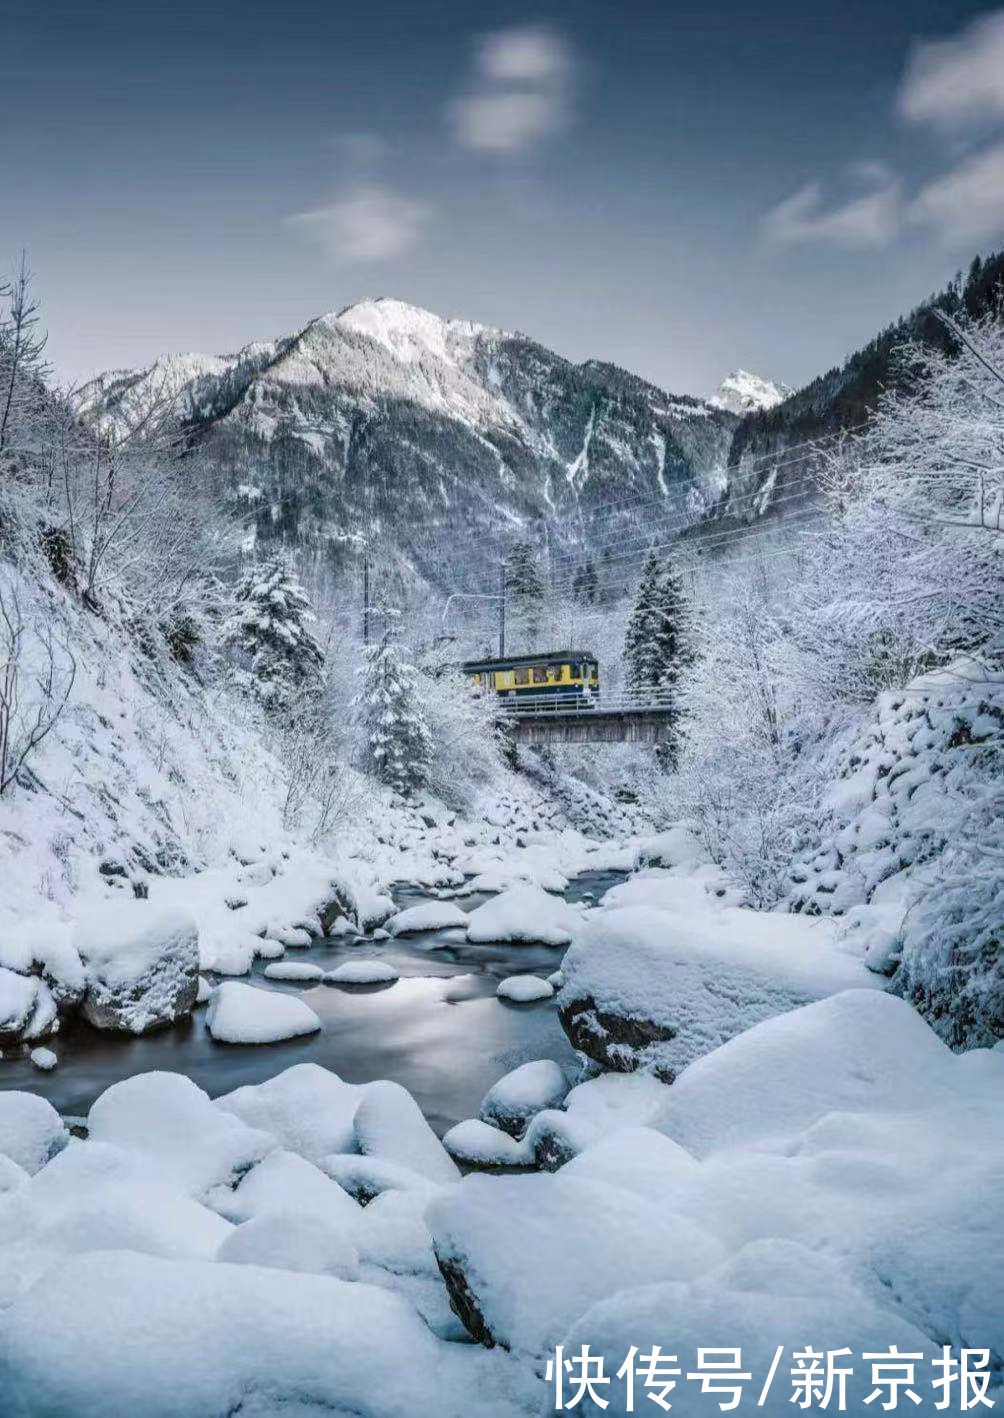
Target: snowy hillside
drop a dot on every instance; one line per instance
(744, 393)
(387, 417)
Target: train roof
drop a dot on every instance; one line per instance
(512, 662)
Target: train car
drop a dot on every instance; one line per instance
(561, 675)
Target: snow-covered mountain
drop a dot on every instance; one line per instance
(743, 393)
(387, 421)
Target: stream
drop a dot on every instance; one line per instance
(439, 1030)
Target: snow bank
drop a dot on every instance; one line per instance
(242, 1014)
(142, 965)
(524, 913)
(654, 988)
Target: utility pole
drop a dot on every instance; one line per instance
(502, 611)
(366, 600)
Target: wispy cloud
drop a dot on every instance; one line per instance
(958, 82)
(368, 224)
(867, 219)
(965, 206)
(520, 91)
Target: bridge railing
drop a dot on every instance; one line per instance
(622, 701)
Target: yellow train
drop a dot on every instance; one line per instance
(559, 673)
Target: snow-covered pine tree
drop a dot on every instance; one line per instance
(524, 595)
(398, 744)
(269, 627)
(657, 641)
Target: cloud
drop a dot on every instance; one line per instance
(870, 219)
(370, 223)
(955, 83)
(965, 206)
(362, 149)
(520, 93)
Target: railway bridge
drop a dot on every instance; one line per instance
(626, 716)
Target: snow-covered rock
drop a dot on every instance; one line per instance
(142, 965)
(367, 1177)
(362, 972)
(295, 972)
(524, 989)
(242, 1014)
(291, 1240)
(524, 913)
(578, 1242)
(31, 1131)
(44, 1059)
(429, 916)
(657, 988)
(513, 1101)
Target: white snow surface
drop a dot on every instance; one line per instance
(243, 1014)
(742, 393)
(526, 1090)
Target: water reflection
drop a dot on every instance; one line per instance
(439, 1030)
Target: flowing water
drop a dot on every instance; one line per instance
(439, 1030)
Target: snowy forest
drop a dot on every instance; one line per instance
(362, 1055)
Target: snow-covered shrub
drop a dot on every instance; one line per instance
(465, 747)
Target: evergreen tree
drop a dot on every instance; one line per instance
(657, 642)
(269, 627)
(398, 742)
(524, 593)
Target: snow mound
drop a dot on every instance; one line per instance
(524, 913)
(168, 1124)
(362, 972)
(44, 1059)
(306, 1108)
(429, 916)
(242, 1014)
(524, 989)
(389, 1125)
(27, 1008)
(286, 1181)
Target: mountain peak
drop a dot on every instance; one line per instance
(408, 332)
(744, 393)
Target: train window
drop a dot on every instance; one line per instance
(539, 674)
(522, 676)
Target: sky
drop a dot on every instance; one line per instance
(679, 188)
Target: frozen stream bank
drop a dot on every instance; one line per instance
(439, 1030)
